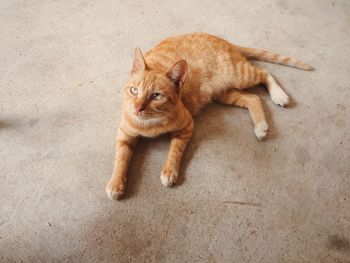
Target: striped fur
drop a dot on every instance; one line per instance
(267, 56)
(174, 81)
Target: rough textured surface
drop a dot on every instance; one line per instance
(62, 68)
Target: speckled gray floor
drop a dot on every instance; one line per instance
(62, 69)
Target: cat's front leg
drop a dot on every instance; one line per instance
(125, 146)
(171, 168)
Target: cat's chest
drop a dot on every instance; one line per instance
(153, 131)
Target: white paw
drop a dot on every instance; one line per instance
(114, 192)
(168, 178)
(261, 130)
(279, 97)
(277, 94)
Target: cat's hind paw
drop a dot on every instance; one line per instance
(168, 178)
(114, 192)
(261, 130)
(278, 96)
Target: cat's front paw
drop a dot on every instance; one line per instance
(168, 177)
(115, 189)
(261, 130)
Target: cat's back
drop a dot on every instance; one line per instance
(198, 49)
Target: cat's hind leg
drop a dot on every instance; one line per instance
(250, 101)
(248, 75)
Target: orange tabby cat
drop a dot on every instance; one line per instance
(174, 81)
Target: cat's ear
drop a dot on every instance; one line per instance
(178, 73)
(138, 63)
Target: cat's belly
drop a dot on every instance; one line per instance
(196, 96)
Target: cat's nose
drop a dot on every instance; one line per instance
(140, 108)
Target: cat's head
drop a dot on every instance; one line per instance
(151, 94)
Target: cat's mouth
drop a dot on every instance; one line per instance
(146, 114)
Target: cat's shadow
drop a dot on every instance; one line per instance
(135, 171)
(145, 146)
(208, 126)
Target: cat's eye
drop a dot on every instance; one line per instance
(134, 90)
(156, 96)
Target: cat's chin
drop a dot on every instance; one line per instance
(142, 117)
(148, 120)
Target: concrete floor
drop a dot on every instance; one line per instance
(62, 68)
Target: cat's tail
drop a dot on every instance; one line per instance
(267, 56)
